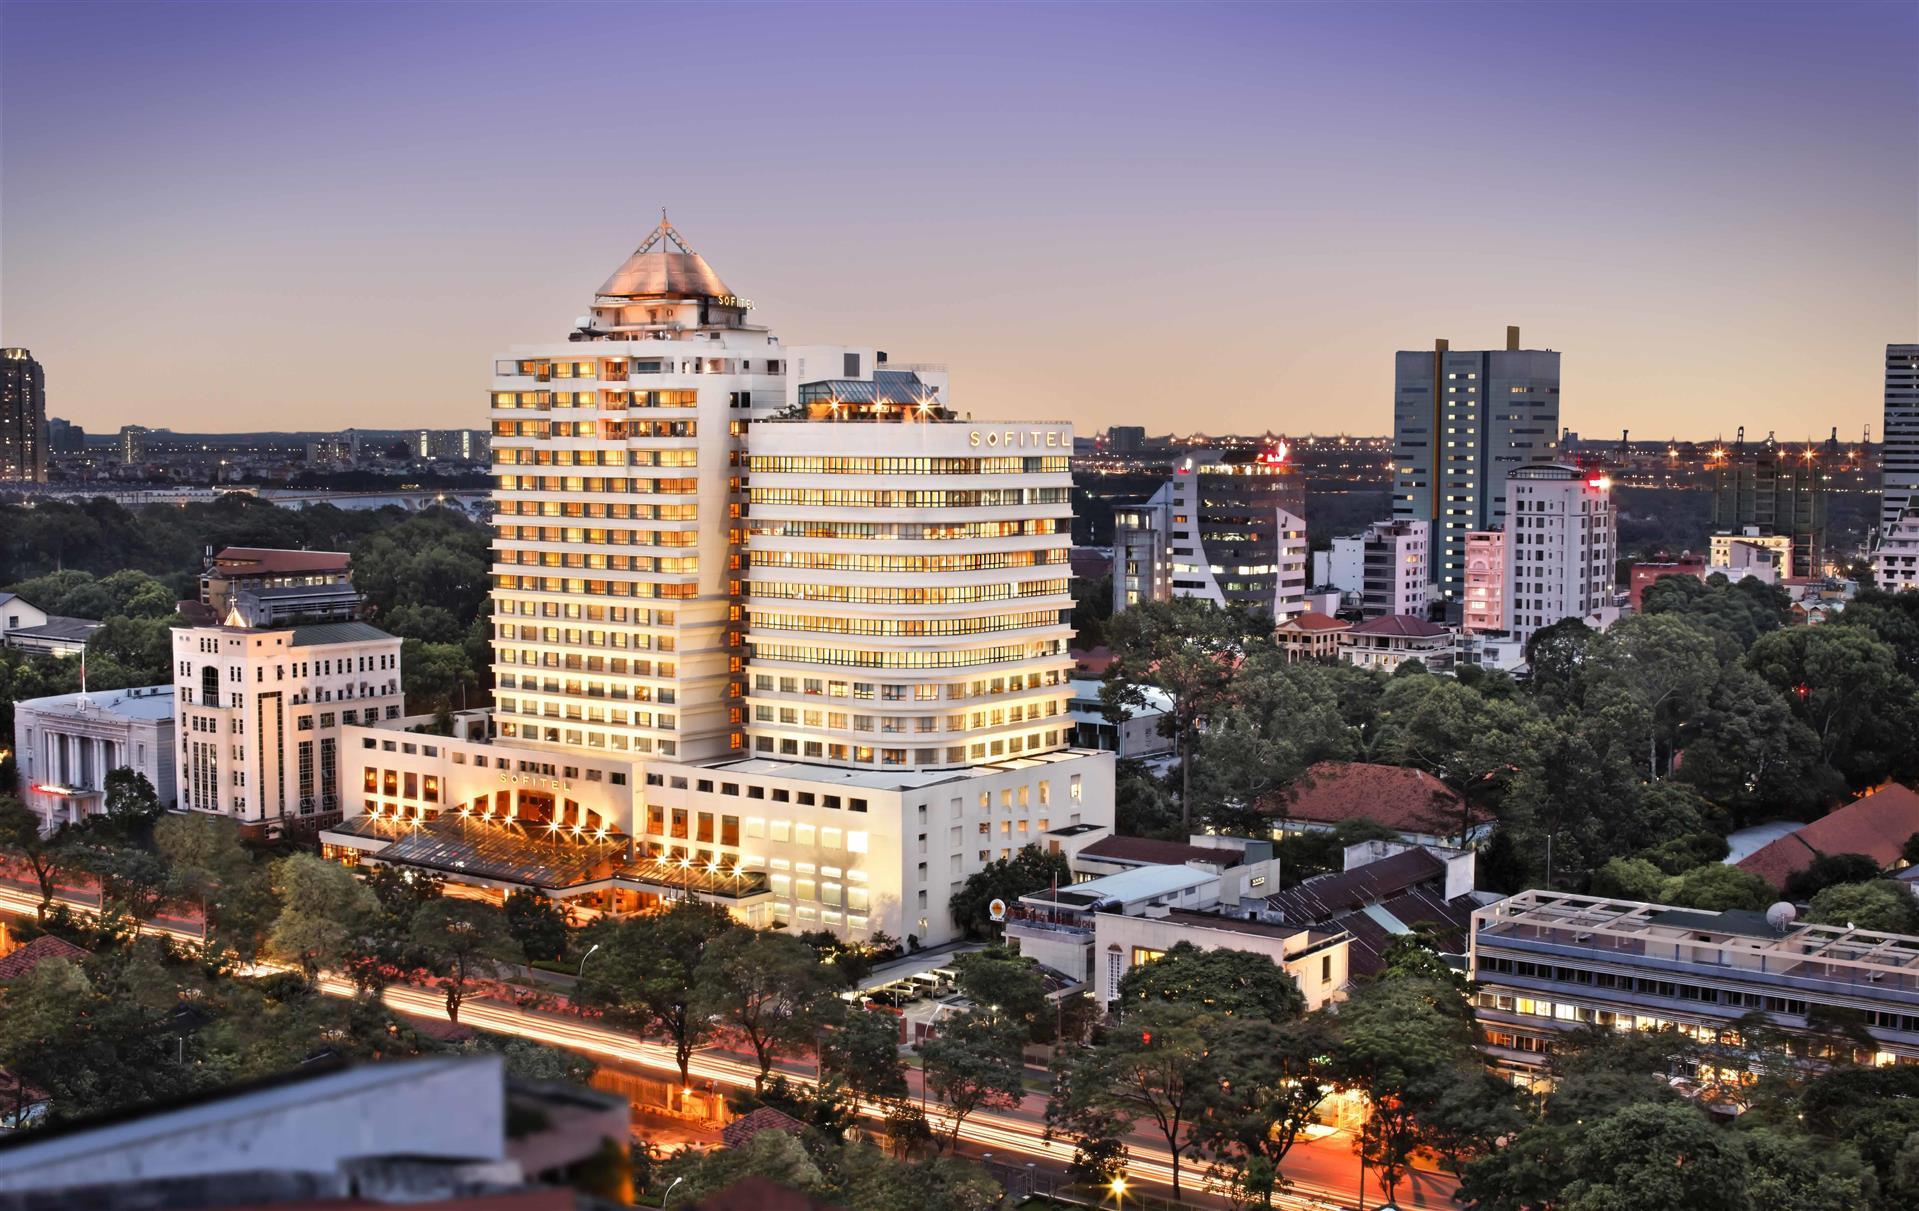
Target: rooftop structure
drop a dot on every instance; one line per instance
(67, 744)
(269, 586)
(1549, 962)
(1421, 808)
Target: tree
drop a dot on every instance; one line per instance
(1716, 887)
(1274, 1077)
(1401, 1039)
(1029, 869)
(767, 987)
(1827, 870)
(133, 881)
(536, 924)
(1558, 656)
(1655, 1158)
(323, 909)
(645, 972)
(1845, 685)
(861, 1050)
(973, 1063)
(1747, 751)
(1881, 904)
(1667, 663)
(457, 939)
(1793, 1173)
(46, 854)
(210, 866)
(130, 800)
(1629, 879)
(1157, 1067)
(1186, 648)
(1226, 982)
(1008, 985)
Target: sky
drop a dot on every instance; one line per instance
(1188, 217)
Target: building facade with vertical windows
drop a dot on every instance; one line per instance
(1561, 544)
(1462, 421)
(1770, 490)
(23, 417)
(772, 628)
(1230, 529)
(66, 745)
(1485, 608)
(1899, 465)
(259, 713)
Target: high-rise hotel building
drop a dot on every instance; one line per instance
(771, 627)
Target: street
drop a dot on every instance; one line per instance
(1322, 1171)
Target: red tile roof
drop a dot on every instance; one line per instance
(1093, 661)
(1407, 800)
(1400, 626)
(259, 560)
(765, 1118)
(1315, 622)
(1876, 826)
(1148, 852)
(22, 959)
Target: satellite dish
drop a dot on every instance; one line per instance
(1781, 915)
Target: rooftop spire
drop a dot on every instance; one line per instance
(664, 266)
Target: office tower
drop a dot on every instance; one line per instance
(259, 713)
(1562, 538)
(1228, 528)
(132, 447)
(1125, 439)
(1462, 420)
(1900, 454)
(1774, 491)
(23, 417)
(1485, 601)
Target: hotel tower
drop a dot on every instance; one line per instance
(772, 626)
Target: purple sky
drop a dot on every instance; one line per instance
(1224, 218)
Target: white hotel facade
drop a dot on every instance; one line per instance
(771, 627)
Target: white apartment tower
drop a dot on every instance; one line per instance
(1900, 457)
(1561, 545)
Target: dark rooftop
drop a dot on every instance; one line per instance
(1326, 896)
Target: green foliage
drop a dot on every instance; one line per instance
(1226, 982)
(1882, 904)
(973, 1064)
(323, 909)
(1007, 985)
(1158, 1067)
(1745, 610)
(1655, 1158)
(458, 940)
(768, 988)
(1827, 870)
(1716, 887)
(1029, 869)
(1844, 684)
(641, 972)
(1092, 610)
(861, 1049)
(1143, 805)
(537, 925)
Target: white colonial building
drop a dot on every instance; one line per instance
(66, 745)
(1561, 544)
(260, 713)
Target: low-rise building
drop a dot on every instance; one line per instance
(1549, 963)
(1419, 807)
(1878, 826)
(1311, 636)
(66, 745)
(1137, 735)
(269, 587)
(1386, 890)
(1724, 549)
(1388, 641)
(28, 628)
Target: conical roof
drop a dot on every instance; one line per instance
(664, 266)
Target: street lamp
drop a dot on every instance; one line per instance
(669, 1189)
(1118, 1187)
(585, 957)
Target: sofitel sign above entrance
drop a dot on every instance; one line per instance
(1017, 438)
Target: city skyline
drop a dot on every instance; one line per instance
(1689, 197)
